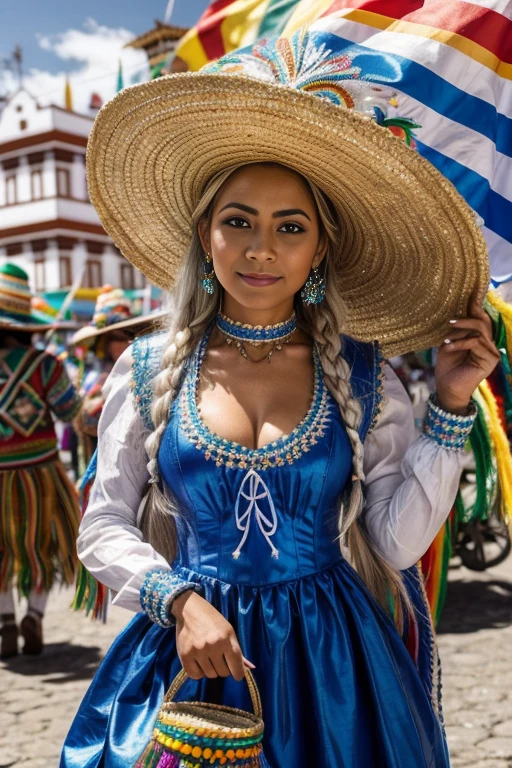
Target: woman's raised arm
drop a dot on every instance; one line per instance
(411, 482)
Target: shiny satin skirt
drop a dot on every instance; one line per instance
(338, 686)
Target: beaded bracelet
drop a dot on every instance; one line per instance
(159, 589)
(447, 429)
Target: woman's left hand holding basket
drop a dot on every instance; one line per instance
(206, 642)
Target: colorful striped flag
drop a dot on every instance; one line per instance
(450, 62)
(230, 24)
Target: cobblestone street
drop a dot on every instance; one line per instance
(39, 696)
(475, 639)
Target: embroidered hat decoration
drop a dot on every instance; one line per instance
(413, 251)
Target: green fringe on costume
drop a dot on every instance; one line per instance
(90, 596)
(39, 518)
(485, 468)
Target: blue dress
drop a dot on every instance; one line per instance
(257, 531)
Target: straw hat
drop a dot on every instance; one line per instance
(113, 312)
(415, 251)
(16, 310)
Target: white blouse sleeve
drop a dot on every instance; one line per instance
(110, 543)
(411, 482)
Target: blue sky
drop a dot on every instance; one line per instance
(82, 39)
(21, 22)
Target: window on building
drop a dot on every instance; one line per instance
(63, 182)
(93, 276)
(40, 275)
(140, 280)
(36, 183)
(35, 158)
(65, 276)
(23, 125)
(127, 277)
(13, 249)
(39, 246)
(63, 155)
(11, 163)
(94, 248)
(11, 196)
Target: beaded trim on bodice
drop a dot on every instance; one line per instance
(223, 452)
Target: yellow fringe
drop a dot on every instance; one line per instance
(505, 311)
(501, 449)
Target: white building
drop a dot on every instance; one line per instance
(47, 224)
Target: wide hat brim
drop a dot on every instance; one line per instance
(89, 333)
(415, 254)
(26, 327)
(35, 323)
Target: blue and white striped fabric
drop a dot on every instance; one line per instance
(457, 89)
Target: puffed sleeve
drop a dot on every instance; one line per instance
(110, 544)
(411, 482)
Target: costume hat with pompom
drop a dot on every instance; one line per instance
(113, 312)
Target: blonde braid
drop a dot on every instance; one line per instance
(337, 378)
(377, 574)
(157, 523)
(166, 386)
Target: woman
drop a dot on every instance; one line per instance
(268, 437)
(38, 504)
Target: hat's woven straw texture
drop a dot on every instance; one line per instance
(415, 252)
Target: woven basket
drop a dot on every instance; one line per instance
(195, 734)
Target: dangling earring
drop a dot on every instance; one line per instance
(208, 275)
(313, 291)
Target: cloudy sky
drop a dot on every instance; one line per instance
(83, 40)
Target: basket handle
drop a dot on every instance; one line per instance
(249, 679)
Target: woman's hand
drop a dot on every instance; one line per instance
(206, 642)
(466, 358)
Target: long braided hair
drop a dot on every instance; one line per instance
(193, 312)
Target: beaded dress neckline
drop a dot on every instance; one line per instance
(222, 451)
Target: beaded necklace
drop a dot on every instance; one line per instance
(240, 334)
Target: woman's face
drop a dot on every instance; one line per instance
(264, 237)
